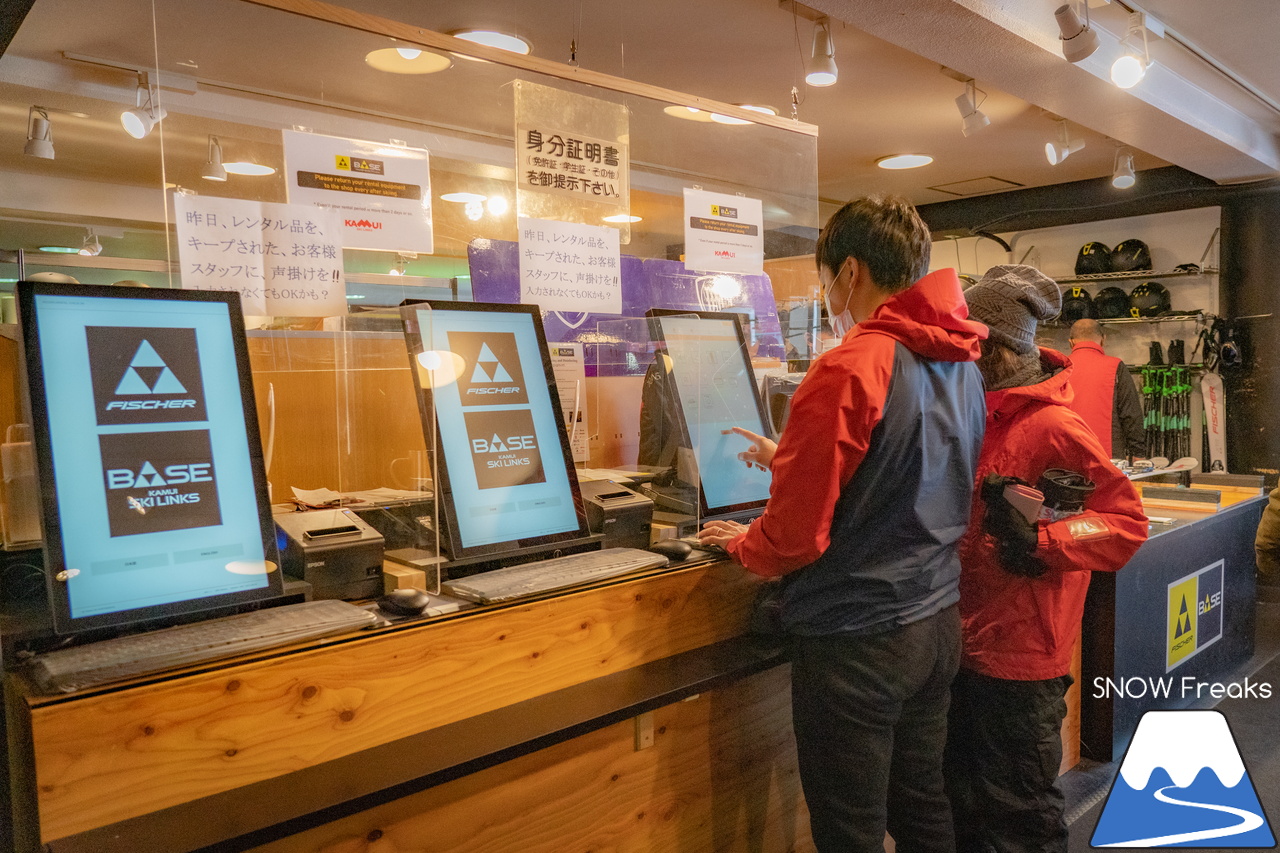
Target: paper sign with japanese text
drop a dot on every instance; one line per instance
(558, 160)
(565, 266)
(283, 259)
(570, 371)
(723, 233)
(382, 192)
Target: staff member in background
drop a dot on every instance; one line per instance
(1023, 581)
(1105, 395)
(872, 480)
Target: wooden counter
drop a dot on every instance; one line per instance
(497, 729)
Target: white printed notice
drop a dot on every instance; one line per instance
(565, 266)
(723, 233)
(285, 260)
(382, 192)
(570, 371)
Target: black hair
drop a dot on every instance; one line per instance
(883, 232)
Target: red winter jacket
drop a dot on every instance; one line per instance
(1019, 628)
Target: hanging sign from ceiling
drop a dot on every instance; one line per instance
(382, 192)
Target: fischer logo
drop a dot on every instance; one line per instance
(145, 375)
(362, 224)
(495, 375)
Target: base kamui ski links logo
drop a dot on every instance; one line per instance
(1183, 783)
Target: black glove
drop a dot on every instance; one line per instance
(1016, 538)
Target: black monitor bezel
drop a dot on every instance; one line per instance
(655, 315)
(54, 555)
(452, 537)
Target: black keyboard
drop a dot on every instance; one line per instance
(557, 573)
(94, 664)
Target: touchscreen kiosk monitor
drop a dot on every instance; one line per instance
(714, 389)
(486, 390)
(150, 464)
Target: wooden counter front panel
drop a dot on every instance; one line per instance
(105, 758)
(720, 776)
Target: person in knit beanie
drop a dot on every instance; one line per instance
(1012, 300)
(1049, 508)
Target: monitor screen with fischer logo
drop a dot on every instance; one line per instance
(148, 453)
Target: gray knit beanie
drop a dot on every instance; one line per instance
(1011, 299)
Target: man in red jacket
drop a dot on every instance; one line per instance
(1105, 395)
(872, 481)
(1024, 573)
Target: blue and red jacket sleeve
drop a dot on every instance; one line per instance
(826, 438)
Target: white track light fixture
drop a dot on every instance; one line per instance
(213, 170)
(1122, 177)
(1079, 41)
(139, 121)
(91, 247)
(974, 118)
(822, 67)
(39, 134)
(1063, 147)
(1131, 67)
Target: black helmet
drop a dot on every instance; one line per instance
(1129, 256)
(1150, 299)
(1093, 258)
(1111, 303)
(1076, 305)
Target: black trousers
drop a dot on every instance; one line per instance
(870, 717)
(1003, 753)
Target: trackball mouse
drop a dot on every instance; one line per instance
(404, 602)
(672, 549)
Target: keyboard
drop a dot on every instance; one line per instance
(548, 575)
(94, 664)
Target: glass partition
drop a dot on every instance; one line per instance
(249, 112)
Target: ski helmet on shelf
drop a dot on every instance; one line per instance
(1076, 305)
(1149, 299)
(1093, 258)
(1111, 303)
(1129, 256)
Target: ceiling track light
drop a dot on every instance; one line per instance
(1079, 40)
(822, 65)
(91, 247)
(1131, 67)
(1064, 146)
(213, 169)
(1122, 177)
(39, 134)
(968, 103)
(139, 121)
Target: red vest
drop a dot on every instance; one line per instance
(1094, 382)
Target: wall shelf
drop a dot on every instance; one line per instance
(1136, 275)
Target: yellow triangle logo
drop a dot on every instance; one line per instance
(343, 163)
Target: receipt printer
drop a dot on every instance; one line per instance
(623, 516)
(333, 550)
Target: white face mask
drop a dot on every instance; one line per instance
(840, 323)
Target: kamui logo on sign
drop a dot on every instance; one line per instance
(1183, 783)
(159, 481)
(1194, 614)
(143, 375)
(504, 448)
(492, 375)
